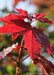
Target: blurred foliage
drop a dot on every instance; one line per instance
(7, 70)
(51, 36)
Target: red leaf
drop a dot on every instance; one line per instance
(46, 66)
(14, 36)
(45, 20)
(33, 46)
(10, 28)
(40, 18)
(42, 38)
(40, 15)
(22, 13)
(41, 29)
(7, 19)
(33, 37)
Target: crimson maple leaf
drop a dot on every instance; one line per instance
(40, 17)
(46, 66)
(33, 37)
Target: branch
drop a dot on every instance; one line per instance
(6, 51)
(25, 58)
(12, 57)
(19, 57)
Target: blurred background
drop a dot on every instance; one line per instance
(7, 65)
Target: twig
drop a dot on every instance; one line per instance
(12, 57)
(25, 58)
(19, 58)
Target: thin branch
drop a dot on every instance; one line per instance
(25, 58)
(19, 57)
(6, 51)
(12, 57)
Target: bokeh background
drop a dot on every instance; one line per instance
(7, 65)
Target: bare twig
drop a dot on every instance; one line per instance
(12, 57)
(19, 57)
(25, 58)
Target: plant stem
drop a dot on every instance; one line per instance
(19, 57)
(12, 57)
(25, 58)
(17, 69)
